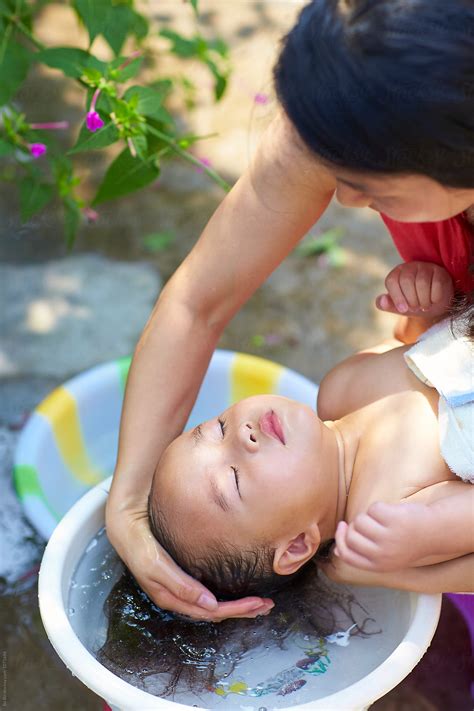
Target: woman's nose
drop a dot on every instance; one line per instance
(348, 197)
(248, 437)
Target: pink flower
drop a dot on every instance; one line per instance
(261, 98)
(91, 215)
(323, 261)
(93, 121)
(273, 339)
(37, 149)
(205, 162)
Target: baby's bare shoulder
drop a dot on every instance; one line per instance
(363, 379)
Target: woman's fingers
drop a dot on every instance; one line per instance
(155, 564)
(245, 607)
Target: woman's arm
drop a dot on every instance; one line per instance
(455, 575)
(259, 222)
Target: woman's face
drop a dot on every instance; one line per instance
(406, 198)
(247, 475)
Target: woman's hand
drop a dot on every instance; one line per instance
(163, 581)
(417, 289)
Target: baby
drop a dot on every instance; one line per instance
(245, 500)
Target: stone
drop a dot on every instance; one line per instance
(64, 316)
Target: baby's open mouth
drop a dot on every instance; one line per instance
(270, 425)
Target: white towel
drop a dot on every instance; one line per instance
(445, 361)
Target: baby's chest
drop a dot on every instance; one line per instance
(399, 457)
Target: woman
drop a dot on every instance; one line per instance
(379, 110)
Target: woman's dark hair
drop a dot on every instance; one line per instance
(144, 641)
(384, 85)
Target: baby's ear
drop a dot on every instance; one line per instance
(291, 554)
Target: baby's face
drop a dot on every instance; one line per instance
(247, 475)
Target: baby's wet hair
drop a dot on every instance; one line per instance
(224, 568)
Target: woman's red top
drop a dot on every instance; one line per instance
(449, 243)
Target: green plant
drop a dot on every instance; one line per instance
(117, 109)
(325, 245)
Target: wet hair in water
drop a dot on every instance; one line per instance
(384, 85)
(144, 641)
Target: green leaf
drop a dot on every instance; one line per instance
(88, 141)
(321, 244)
(5, 148)
(149, 102)
(219, 46)
(127, 72)
(92, 75)
(141, 145)
(14, 65)
(257, 341)
(220, 83)
(33, 197)
(118, 27)
(158, 241)
(72, 220)
(70, 60)
(141, 26)
(181, 46)
(337, 257)
(94, 14)
(123, 21)
(125, 175)
(194, 4)
(163, 87)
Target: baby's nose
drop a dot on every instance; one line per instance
(248, 437)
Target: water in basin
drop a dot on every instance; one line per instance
(250, 665)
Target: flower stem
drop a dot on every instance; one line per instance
(190, 158)
(22, 28)
(94, 99)
(130, 59)
(50, 125)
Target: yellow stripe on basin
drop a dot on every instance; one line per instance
(60, 409)
(253, 376)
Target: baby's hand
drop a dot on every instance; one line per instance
(417, 289)
(388, 537)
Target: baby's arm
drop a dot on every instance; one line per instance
(389, 537)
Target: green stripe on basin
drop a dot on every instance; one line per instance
(27, 484)
(123, 365)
